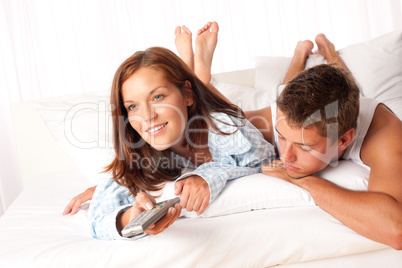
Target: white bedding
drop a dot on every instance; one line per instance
(33, 233)
(280, 226)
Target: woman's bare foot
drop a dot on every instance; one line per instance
(302, 51)
(327, 49)
(184, 45)
(205, 44)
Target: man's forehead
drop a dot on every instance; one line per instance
(300, 135)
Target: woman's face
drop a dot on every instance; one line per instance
(156, 108)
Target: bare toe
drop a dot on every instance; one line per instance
(325, 47)
(308, 45)
(214, 27)
(177, 30)
(205, 28)
(303, 49)
(186, 30)
(321, 39)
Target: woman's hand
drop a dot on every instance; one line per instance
(194, 193)
(77, 201)
(143, 202)
(161, 225)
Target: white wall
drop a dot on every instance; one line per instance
(52, 48)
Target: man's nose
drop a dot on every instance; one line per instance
(288, 154)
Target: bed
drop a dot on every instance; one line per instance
(257, 221)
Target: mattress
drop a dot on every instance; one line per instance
(33, 233)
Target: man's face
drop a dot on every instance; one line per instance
(303, 150)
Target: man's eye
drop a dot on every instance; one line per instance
(305, 148)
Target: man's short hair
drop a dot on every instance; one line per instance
(324, 96)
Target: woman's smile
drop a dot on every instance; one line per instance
(153, 131)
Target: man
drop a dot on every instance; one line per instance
(308, 142)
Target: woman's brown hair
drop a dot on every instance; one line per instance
(137, 164)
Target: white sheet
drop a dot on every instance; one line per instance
(33, 233)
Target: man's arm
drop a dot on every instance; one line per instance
(382, 151)
(377, 213)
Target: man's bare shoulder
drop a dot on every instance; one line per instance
(384, 137)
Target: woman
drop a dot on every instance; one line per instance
(166, 119)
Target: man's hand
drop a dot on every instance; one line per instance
(194, 193)
(276, 169)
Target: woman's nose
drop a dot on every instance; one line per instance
(149, 113)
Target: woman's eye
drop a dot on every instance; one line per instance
(131, 107)
(158, 97)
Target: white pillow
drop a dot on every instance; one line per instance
(375, 64)
(81, 126)
(377, 68)
(270, 72)
(259, 191)
(246, 98)
(347, 174)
